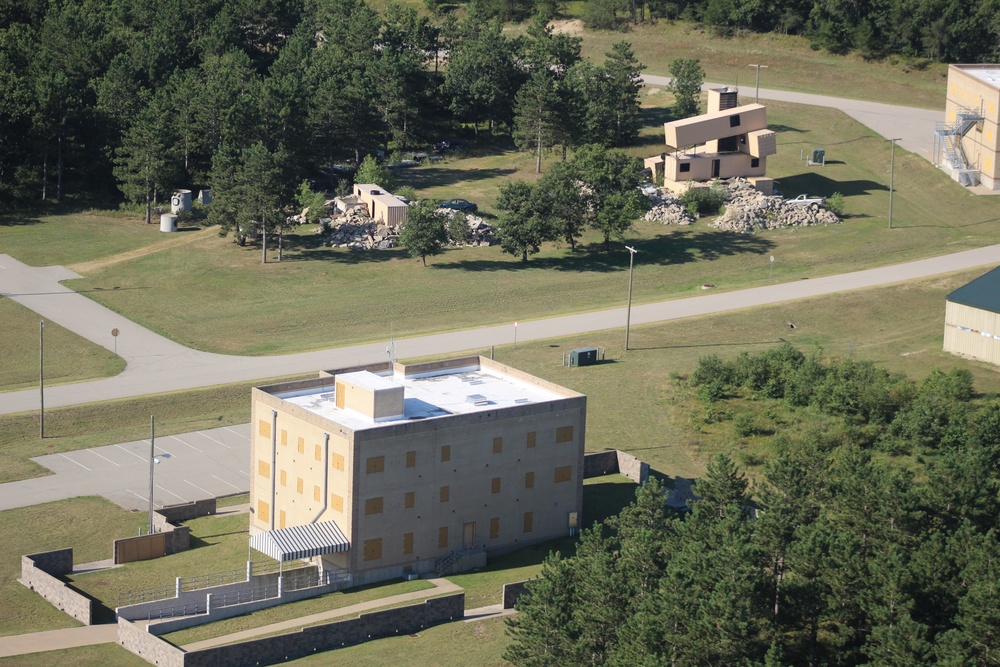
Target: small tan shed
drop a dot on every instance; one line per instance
(972, 319)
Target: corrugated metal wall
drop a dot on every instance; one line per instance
(972, 332)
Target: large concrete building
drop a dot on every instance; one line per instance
(385, 470)
(967, 143)
(725, 142)
(972, 319)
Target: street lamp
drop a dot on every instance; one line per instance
(892, 173)
(41, 380)
(756, 96)
(628, 311)
(152, 462)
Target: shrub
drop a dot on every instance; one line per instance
(835, 204)
(744, 425)
(707, 201)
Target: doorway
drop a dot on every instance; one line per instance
(469, 535)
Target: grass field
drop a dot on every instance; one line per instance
(101, 655)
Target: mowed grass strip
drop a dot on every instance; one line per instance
(100, 655)
(216, 296)
(67, 357)
(99, 424)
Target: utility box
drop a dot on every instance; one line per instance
(583, 356)
(817, 156)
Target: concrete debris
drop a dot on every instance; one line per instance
(480, 232)
(749, 210)
(667, 209)
(356, 231)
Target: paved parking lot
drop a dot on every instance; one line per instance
(192, 466)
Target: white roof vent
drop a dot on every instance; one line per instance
(477, 399)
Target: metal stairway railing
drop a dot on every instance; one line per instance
(951, 135)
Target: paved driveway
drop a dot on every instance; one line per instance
(192, 466)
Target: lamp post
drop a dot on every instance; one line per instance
(892, 173)
(152, 462)
(41, 380)
(756, 95)
(628, 311)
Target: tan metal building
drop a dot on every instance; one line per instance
(972, 319)
(725, 142)
(967, 144)
(382, 206)
(388, 469)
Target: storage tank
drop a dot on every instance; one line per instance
(205, 197)
(168, 222)
(180, 202)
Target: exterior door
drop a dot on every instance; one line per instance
(469, 535)
(715, 168)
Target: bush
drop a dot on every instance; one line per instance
(744, 425)
(835, 204)
(707, 201)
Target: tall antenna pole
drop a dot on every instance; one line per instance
(892, 173)
(628, 311)
(41, 380)
(152, 462)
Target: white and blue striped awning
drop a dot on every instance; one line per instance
(299, 542)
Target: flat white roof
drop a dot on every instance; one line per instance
(989, 74)
(369, 380)
(440, 394)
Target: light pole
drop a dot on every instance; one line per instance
(770, 271)
(41, 380)
(152, 462)
(756, 95)
(628, 311)
(892, 173)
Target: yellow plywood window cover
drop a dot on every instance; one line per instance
(284, 437)
(495, 485)
(317, 494)
(299, 483)
(407, 543)
(408, 500)
(564, 473)
(497, 445)
(529, 522)
(531, 439)
(373, 549)
(373, 506)
(445, 453)
(445, 494)
(495, 528)
(337, 461)
(564, 434)
(529, 480)
(264, 469)
(336, 503)
(318, 453)
(281, 518)
(411, 459)
(264, 428)
(284, 478)
(263, 511)
(301, 444)
(375, 464)
(443, 537)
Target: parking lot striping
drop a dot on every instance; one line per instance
(76, 462)
(94, 452)
(218, 441)
(230, 484)
(141, 458)
(172, 493)
(244, 473)
(188, 444)
(236, 432)
(142, 498)
(210, 494)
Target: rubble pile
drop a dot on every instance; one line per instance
(749, 210)
(668, 210)
(480, 232)
(355, 230)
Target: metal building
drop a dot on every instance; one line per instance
(972, 319)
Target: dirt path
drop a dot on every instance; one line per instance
(172, 241)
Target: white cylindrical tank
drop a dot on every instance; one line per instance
(205, 197)
(168, 222)
(180, 201)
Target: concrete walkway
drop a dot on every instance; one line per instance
(913, 125)
(53, 640)
(441, 587)
(159, 365)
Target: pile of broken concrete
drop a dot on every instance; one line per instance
(356, 231)
(667, 209)
(749, 210)
(480, 232)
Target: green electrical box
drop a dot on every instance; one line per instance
(583, 356)
(818, 156)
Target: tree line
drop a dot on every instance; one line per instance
(838, 556)
(99, 97)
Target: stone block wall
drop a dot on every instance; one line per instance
(149, 647)
(512, 592)
(40, 573)
(614, 461)
(184, 512)
(633, 468)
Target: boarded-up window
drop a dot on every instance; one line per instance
(301, 444)
(373, 506)
(531, 439)
(317, 494)
(264, 428)
(445, 494)
(495, 528)
(443, 537)
(529, 522)
(375, 464)
(318, 453)
(497, 445)
(263, 511)
(408, 500)
(529, 480)
(284, 437)
(373, 549)
(281, 518)
(564, 434)
(495, 485)
(564, 474)
(445, 453)
(407, 543)
(264, 469)
(284, 478)
(336, 502)
(337, 461)
(411, 459)
(299, 484)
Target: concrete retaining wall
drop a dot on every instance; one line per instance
(149, 647)
(184, 512)
(177, 538)
(388, 623)
(614, 461)
(40, 573)
(633, 468)
(512, 592)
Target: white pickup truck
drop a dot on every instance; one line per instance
(805, 200)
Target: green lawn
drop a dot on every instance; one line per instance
(101, 655)
(68, 357)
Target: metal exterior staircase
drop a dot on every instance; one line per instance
(949, 136)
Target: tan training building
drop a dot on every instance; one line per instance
(386, 470)
(382, 206)
(734, 141)
(972, 319)
(967, 143)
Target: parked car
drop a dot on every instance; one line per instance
(459, 205)
(805, 200)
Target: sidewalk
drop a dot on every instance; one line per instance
(53, 640)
